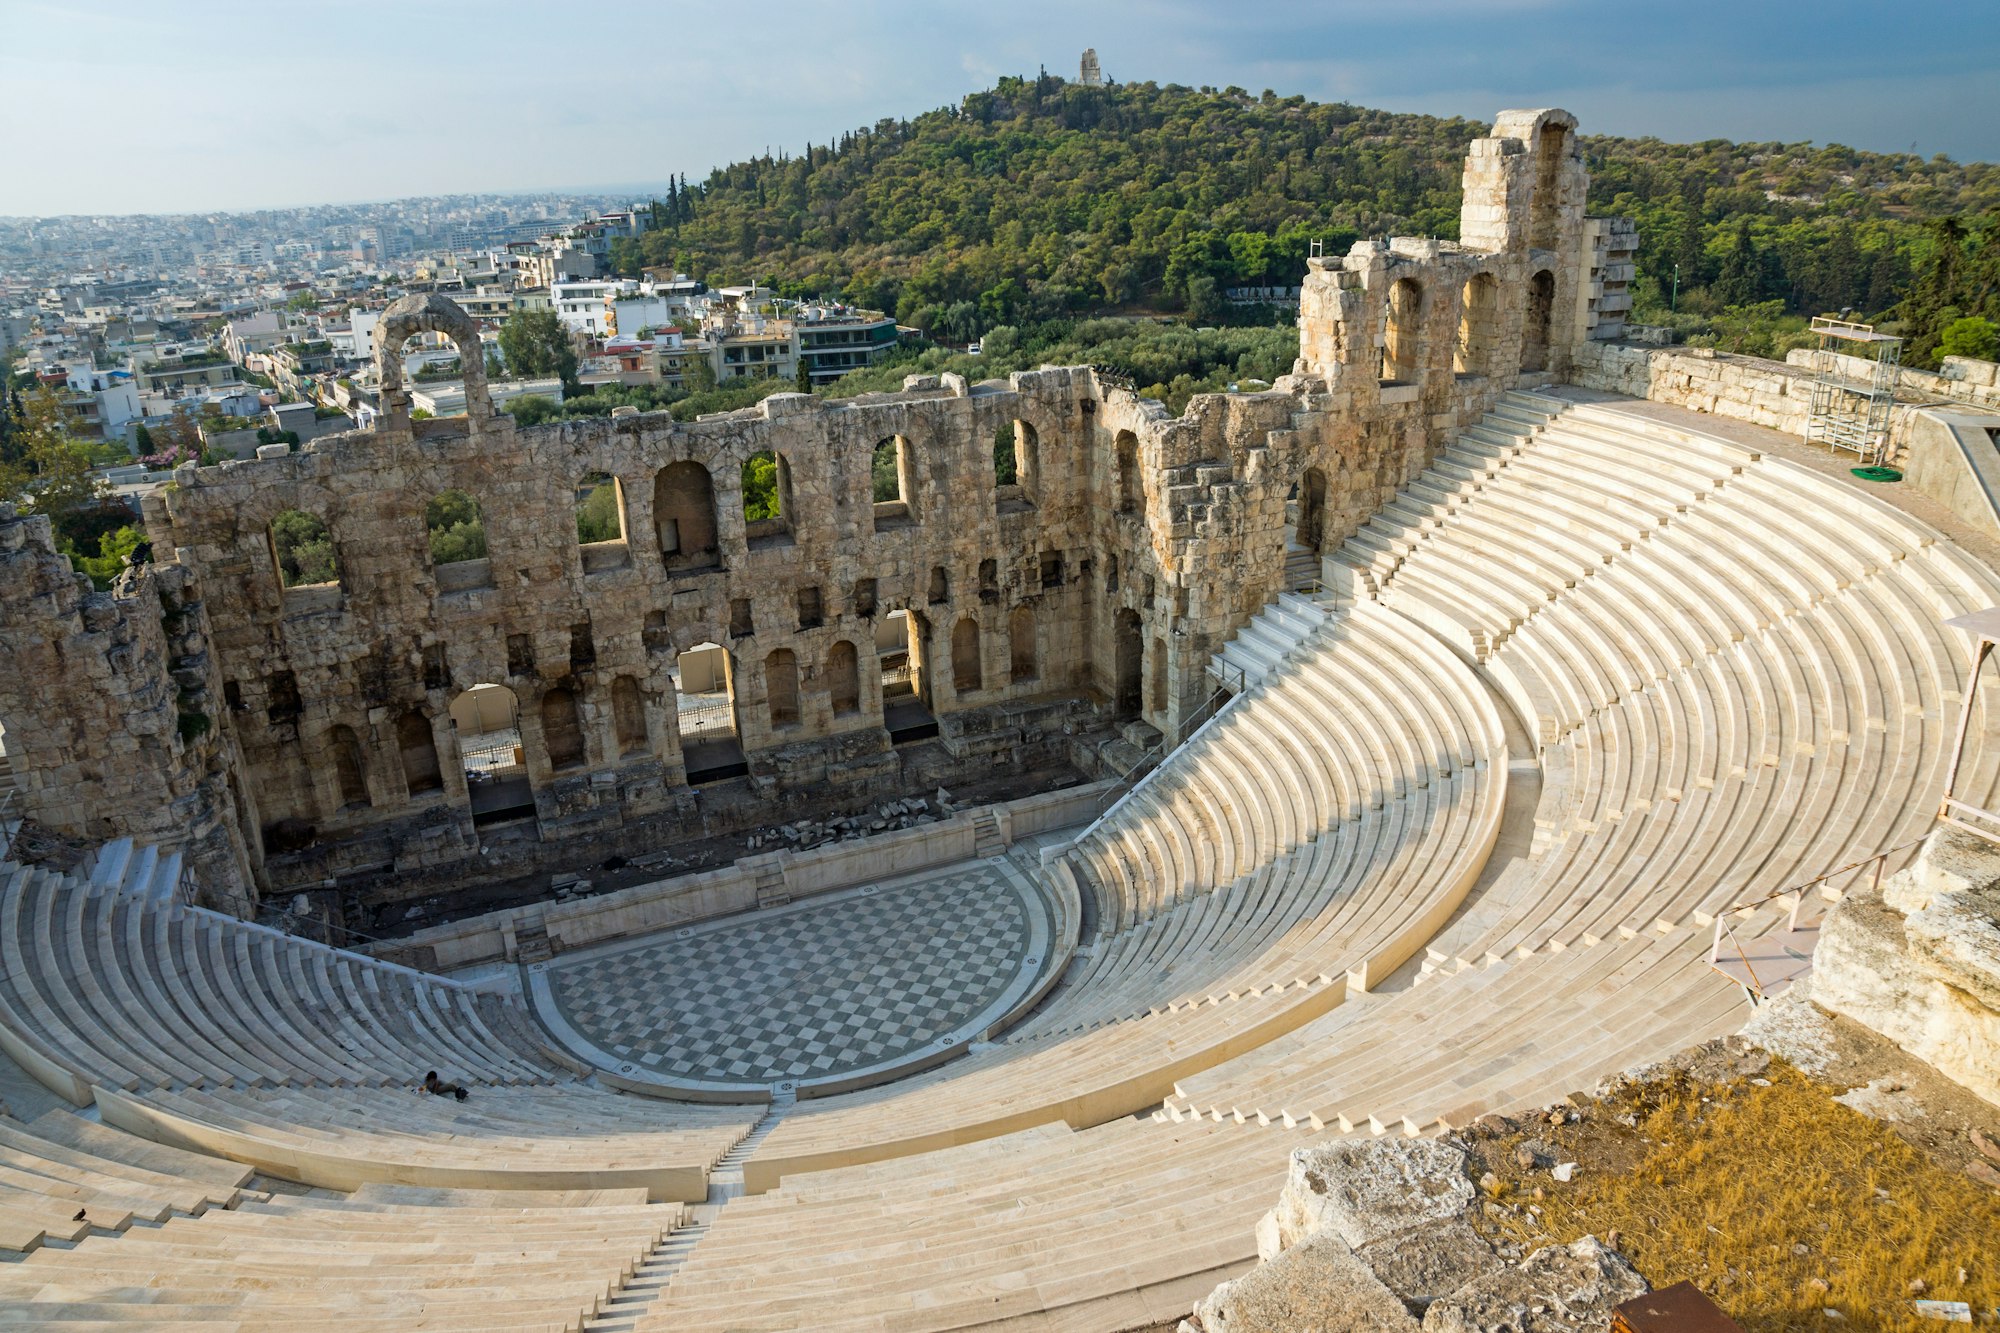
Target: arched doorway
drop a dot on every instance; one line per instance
(1312, 508)
(901, 641)
(1127, 659)
(487, 721)
(1535, 326)
(704, 680)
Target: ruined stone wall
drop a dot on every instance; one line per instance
(1090, 593)
(398, 637)
(109, 704)
(1772, 394)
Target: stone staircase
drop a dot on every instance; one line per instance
(986, 839)
(771, 888)
(145, 872)
(1363, 565)
(1271, 636)
(627, 1309)
(1301, 567)
(532, 943)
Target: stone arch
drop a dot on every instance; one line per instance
(892, 480)
(1126, 447)
(562, 729)
(350, 770)
(1479, 326)
(1312, 508)
(1127, 655)
(416, 741)
(1021, 654)
(843, 678)
(684, 516)
(767, 497)
(428, 312)
(1403, 334)
(1536, 324)
(628, 717)
(455, 527)
(1552, 150)
(967, 673)
(600, 521)
(302, 550)
(781, 687)
(1016, 461)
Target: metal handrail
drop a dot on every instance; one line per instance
(1722, 926)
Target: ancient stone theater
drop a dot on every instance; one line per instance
(1468, 716)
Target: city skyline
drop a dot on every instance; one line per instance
(451, 98)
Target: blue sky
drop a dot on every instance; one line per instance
(112, 106)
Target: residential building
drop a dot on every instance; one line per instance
(834, 339)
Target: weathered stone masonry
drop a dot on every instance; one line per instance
(1096, 589)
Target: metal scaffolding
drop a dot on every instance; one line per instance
(1854, 386)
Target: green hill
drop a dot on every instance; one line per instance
(1039, 198)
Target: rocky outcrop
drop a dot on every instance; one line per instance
(1554, 1290)
(1919, 961)
(1376, 1234)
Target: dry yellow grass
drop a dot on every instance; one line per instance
(1759, 1194)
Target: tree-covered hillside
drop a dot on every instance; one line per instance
(1040, 197)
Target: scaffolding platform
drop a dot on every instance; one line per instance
(1854, 386)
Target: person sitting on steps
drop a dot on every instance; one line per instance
(435, 1088)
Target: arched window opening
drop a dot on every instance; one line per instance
(1479, 326)
(1015, 449)
(892, 482)
(966, 675)
(1535, 327)
(417, 743)
(1006, 470)
(781, 687)
(1111, 573)
(684, 514)
(457, 532)
(1127, 649)
(1545, 212)
(1402, 343)
(628, 717)
(349, 770)
(843, 679)
(562, 729)
(1128, 472)
(940, 589)
(302, 550)
(989, 580)
(1312, 509)
(767, 499)
(1021, 644)
(600, 522)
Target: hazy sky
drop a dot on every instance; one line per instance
(189, 105)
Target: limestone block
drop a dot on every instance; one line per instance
(1318, 1285)
(1560, 1288)
(1426, 1264)
(1951, 861)
(1363, 1190)
(1866, 969)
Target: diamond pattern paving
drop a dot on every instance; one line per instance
(815, 990)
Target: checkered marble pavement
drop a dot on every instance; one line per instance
(812, 990)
